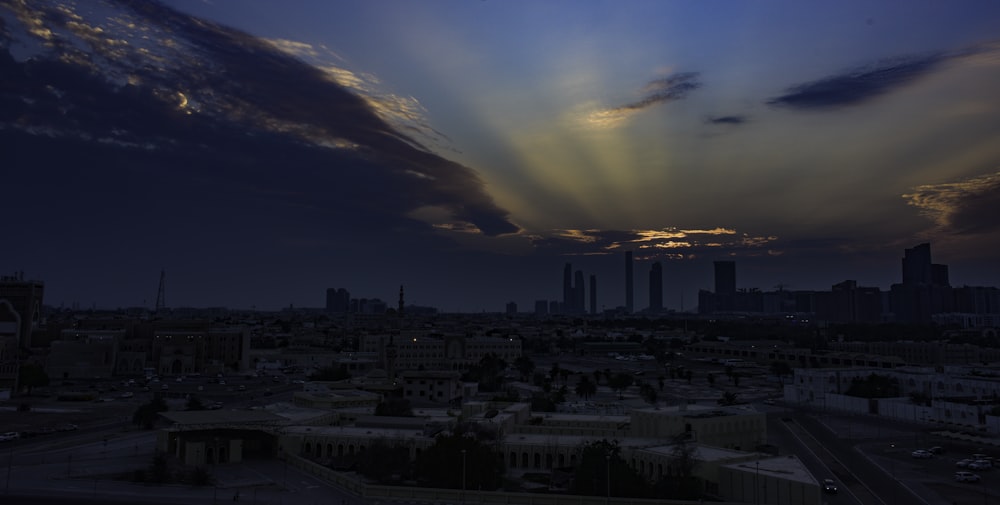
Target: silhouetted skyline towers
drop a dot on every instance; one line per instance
(338, 301)
(593, 294)
(574, 291)
(567, 301)
(725, 285)
(629, 281)
(656, 287)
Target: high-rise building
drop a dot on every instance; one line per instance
(725, 285)
(593, 294)
(338, 301)
(917, 265)
(656, 287)
(541, 307)
(567, 301)
(629, 302)
(579, 291)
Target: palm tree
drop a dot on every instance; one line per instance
(585, 388)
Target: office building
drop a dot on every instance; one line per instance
(629, 302)
(725, 285)
(656, 288)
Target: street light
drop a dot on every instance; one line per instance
(607, 469)
(756, 485)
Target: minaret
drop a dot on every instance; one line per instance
(401, 304)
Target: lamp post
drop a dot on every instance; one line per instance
(756, 485)
(463, 475)
(607, 469)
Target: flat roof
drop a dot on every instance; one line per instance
(783, 467)
(702, 452)
(208, 417)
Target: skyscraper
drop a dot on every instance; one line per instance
(579, 290)
(567, 300)
(917, 265)
(656, 288)
(338, 301)
(593, 294)
(725, 285)
(629, 302)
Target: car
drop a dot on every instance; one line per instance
(10, 435)
(769, 401)
(164, 387)
(242, 387)
(963, 463)
(127, 394)
(829, 486)
(966, 477)
(921, 454)
(980, 464)
(937, 449)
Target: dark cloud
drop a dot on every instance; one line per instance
(860, 85)
(727, 120)
(667, 89)
(241, 122)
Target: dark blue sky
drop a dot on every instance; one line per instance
(261, 153)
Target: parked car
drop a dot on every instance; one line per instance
(829, 486)
(980, 464)
(963, 463)
(921, 454)
(10, 435)
(937, 449)
(966, 477)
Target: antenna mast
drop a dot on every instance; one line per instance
(161, 296)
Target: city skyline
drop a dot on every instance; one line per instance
(467, 150)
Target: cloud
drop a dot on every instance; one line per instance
(859, 85)
(231, 111)
(965, 207)
(726, 120)
(667, 89)
(665, 243)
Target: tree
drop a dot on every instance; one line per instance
(781, 369)
(683, 485)
(728, 398)
(648, 393)
(194, 403)
(585, 388)
(711, 379)
(688, 374)
(554, 373)
(601, 464)
(331, 373)
(874, 386)
(620, 382)
(441, 465)
(32, 375)
(385, 462)
(145, 416)
(661, 381)
(524, 366)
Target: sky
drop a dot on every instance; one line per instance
(260, 152)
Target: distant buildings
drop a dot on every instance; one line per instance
(925, 295)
